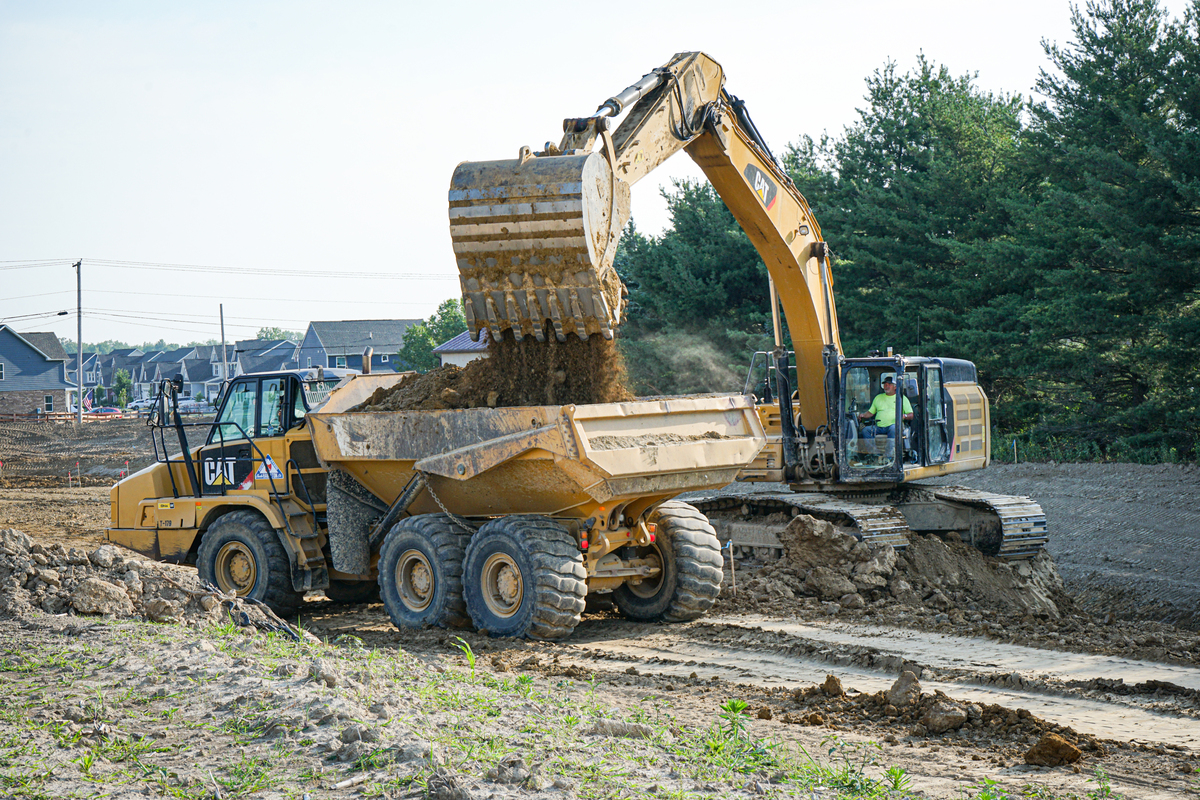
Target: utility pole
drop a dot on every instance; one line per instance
(79, 341)
(224, 360)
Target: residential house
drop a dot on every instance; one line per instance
(460, 350)
(341, 343)
(33, 372)
(93, 376)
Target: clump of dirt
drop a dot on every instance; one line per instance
(524, 373)
(650, 440)
(820, 561)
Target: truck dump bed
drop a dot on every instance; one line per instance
(551, 460)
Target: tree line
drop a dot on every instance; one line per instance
(1053, 240)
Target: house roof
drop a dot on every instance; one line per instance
(125, 352)
(48, 343)
(463, 344)
(350, 336)
(261, 345)
(197, 369)
(262, 362)
(177, 355)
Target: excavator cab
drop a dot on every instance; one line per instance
(886, 434)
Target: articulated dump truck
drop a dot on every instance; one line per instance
(504, 518)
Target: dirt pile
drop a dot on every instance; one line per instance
(108, 581)
(524, 373)
(833, 567)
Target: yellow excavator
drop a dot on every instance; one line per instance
(535, 239)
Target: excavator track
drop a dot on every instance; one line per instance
(1010, 527)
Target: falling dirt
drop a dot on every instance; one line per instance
(524, 373)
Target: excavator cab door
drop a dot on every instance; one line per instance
(868, 451)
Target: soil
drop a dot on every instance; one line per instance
(40, 454)
(649, 440)
(524, 373)
(166, 692)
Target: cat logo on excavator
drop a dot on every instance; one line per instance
(763, 186)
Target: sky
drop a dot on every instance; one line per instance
(306, 148)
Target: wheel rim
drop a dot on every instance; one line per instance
(502, 584)
(649, 587)
(235, 568)
(414, 577)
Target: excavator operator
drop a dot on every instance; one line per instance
(883, 412)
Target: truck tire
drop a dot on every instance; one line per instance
(420, 572)
(241, 553)
(691, 573)
(351, 592)
(524, 577)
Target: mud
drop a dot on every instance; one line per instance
(650, 440)
(524, 373)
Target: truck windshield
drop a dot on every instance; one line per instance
(239, 410)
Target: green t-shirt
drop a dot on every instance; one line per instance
(884, 409)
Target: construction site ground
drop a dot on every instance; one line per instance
(166, 696)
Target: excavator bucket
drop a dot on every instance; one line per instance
(534, 239)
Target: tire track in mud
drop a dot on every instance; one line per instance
(738, 652)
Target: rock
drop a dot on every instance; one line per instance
(827, 584)
(765, 713)
(511, 769)
(612, 727)
(831, 608)
(852, 600)
(937, 600)
(417, 751)
(905, 691)
(944, 716)
(891, 711)
(809, 542)
(49, 577)
(133, 582)
(882, 562)
(354, 751)
(95, 596)
(1052, 751)
(564, 785)
(324, 671)
(918, 730)
(869, 583)
(903, 591)
(104, 556)
(359, 733)
(162, 610)
(77, 557)
(442, 785)
(833, 686)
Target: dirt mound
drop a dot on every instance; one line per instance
(108, 581)
(524, 373)
(830, 565)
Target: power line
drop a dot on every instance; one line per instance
(295, 273)
(292, 273)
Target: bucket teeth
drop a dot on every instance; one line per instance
(533, 240)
